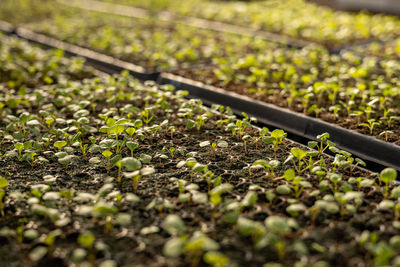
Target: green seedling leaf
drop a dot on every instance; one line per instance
(214, 258)
(174, 225)
(278, 225)
(199, 168)
(395, 193)
(116, 129)
(3, 182)
(248, 227)
(107, 154)
(261, 162)
(191, 162)
(67, 159)
(200, 241)
(114, 160)
(131, 131)
(19, 146)
(277, 134)
(61, 154)
(268, 140)
(298, 153)
(289, 174)
(283, 190)
(323, 136)
(131, 164)
(312, 144)
(60, 144)
(388, 175)
(86, 239)
(174, 247)
(37, 253)
(149, 230)
(295, 209)
(221, 189)
(250, 199)
(103, 208)
(144, 158)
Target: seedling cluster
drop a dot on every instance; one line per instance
(100, 170)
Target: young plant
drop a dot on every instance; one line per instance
(387, 176)
(19, 147)
(86, 240)
(280, 227)
(268, 167)
(3, 184)
(275, 139)
(200, 121)
(60, 145)
(78, 138)
(132, 146)
(298, 154)
(66, 160)
(107, 154)
(370, 124)
(320, 146)
(129, 163)
(335, 178)
(136, 175)
(245, 138)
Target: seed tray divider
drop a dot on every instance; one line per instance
(167, 16)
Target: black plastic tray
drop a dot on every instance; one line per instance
(375, 6)
(365, 147)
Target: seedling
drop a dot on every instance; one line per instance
(275, 138)
(107, 154)
(370, 124)
(245, 138)
(321, 147)
(29, 157)
(66, 160)
(215, 193)
(200, 121)
(280, 227)
(268, 167)
(146, 117)
(299, 154)
(387, 176)
(335, 178)
(132, 146)
(86, 240)
(19, 147)
(3, 184)
(130, 131)
(172, 151)
(136, 175)
(78, 138)
(60, 145)
(262, 133)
